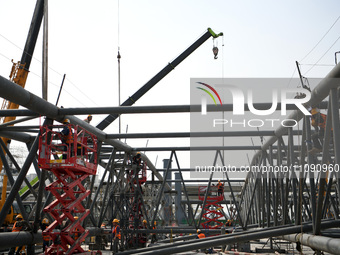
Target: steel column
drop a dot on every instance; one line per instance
(336, 132)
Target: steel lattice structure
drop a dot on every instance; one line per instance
(281, 205)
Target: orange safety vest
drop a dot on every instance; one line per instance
(200, 236)
(117, 234)
(46, 238)
(76, 234)
(319, 120)
(16, 228)
(69, 137)
(220, 186)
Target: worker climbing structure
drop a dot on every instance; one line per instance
(212, 208)
(71, 161)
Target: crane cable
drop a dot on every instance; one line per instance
(118, 58)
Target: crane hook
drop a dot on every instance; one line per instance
(215, 51)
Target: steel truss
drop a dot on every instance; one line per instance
(267, 198)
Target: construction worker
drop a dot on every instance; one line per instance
(136, 164)
(46, 238)
(67, 138)
(154, 236)
(200, 235)
(319, 123)
(19, 225)
(88, 119)
(137, 159)
(76, 231)
(144, 235)
(220, 188)
(116, 235)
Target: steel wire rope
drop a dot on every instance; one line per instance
(313, 50)
(320, 40)
(50, 68)
(322, 55)
(301, 64)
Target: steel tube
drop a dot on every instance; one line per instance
(336, 132)
(207, 148)
(18, 95)
(18, 136)
(144, 109)
(320, 243)
(237, 237)
(14, 239)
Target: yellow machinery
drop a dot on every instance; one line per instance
(19, 76)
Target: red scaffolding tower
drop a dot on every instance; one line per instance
(212, 211)
(71, 162)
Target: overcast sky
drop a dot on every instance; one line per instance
(261, 39)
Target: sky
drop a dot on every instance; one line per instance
(261, 39)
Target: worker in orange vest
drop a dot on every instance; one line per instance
(46, 238)
(88, 119)
(19, 225)
(319, 123)
(67, 138)
(220, 188)
(154, 236)
(116, 235)
(144, 236)
(76, 231)
(200, 235)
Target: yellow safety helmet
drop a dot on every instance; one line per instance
(115, 221)
(66, 121)
(19, 217)
(144, 221)
(315, 111)
(45, 221)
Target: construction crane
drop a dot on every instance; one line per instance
(18, 75)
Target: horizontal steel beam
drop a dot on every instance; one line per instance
(144, 109)
(205, 181)
(197, 134)
(232, 238)
(14, 239)
(198, 148)
(321, 243)
(18, 136)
